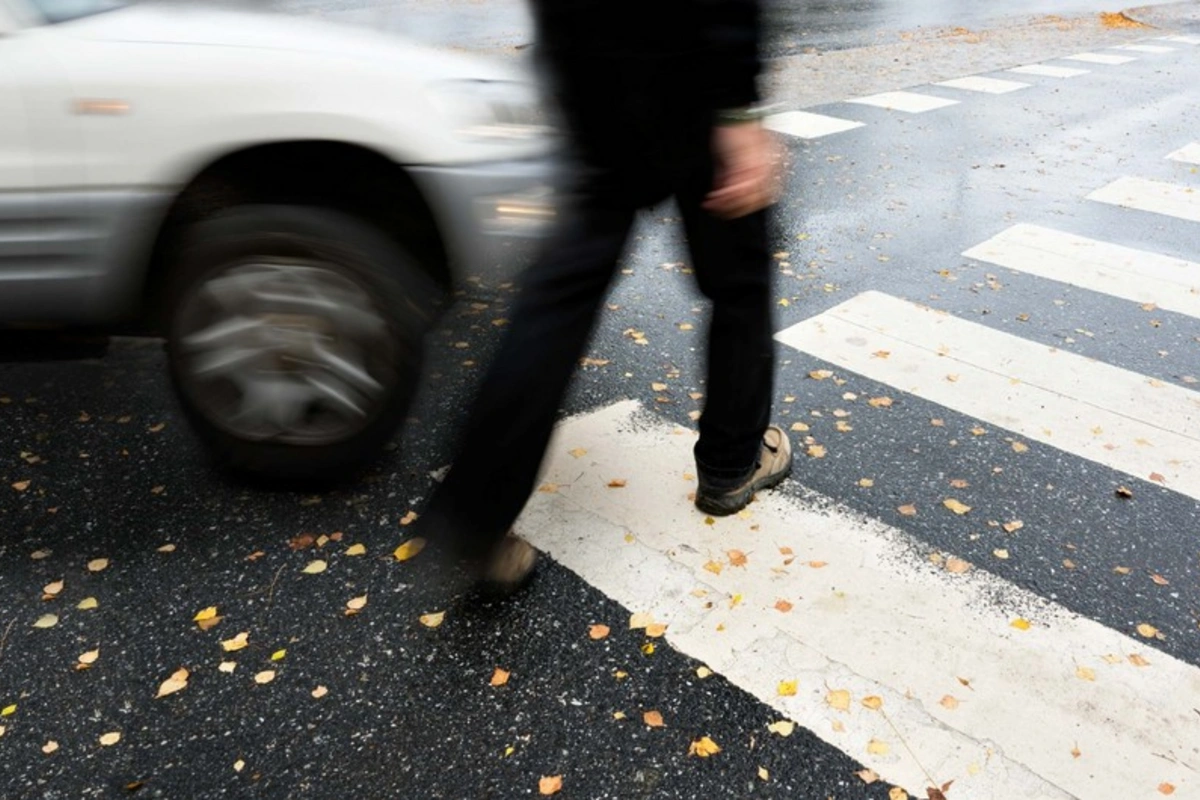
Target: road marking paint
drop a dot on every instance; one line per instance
(877, 619)
(1188, 154)
(978, 83)
(1145, 48)
(1182, 39)
(1100, 58)
(908, 102)
(1172, 284)
(1049, 71)
(807, 125)
(1158, 197)
(1121, 419)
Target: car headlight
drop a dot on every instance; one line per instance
(483, 109)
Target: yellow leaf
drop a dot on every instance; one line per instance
(896, 793)
(878, 748)
(227, 667)
(818, 564)
(598, 631)
(763, 774)
(408, 519)
(578, 452)
(1085, 673)
(949, 702)
(1148, 631)
(8, 711)
(266, 676)
(640, 619)
(21, 486)
(703, 672)
(957, 565)
(656, 630)
(786, 688)
(800, 427)
(648, 649)
(356, 550)
(838, 699)
(703, 748)
(239, 765)
(49, 747)
(499, 677)
(685, 326)
(88, 603)
(205, 614)
(956, 506)
(735, 601)
(880, 402)
(236, 643)
(550, 784)
(843, 426)
(1020, 447)
(432, 620)
(53, 588)
(654, 719)
(97, 564)
(907, 510)
(319, 692)
(177, 682)
(714, 567)
(816, 451)
(658, 387)
(866, 483)
(873, 702)
(278, 655)
(867, 776)
(89, 657)
(46, 621)
(355, 605)
(409, 549)
(1013, 526)
(109, 739)
(1020, 624)
(784, 727)
(1000, 553)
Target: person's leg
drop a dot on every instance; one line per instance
(514, 414)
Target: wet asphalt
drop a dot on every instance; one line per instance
(409, 711)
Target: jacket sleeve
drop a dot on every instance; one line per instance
(732, 33)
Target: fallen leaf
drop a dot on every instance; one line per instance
(88, 603)
(763, 774)
(408, 519)
(956, 506)
(53, 588)
(1166, 788)
(227, 667)
(1159, 579)
(1075, 753)
(656, 630)
(647, 649)
(432, 620)
(1148, 631)
(266, 676)
(957, 565)
(97, 564)
(1124, 492)
(8, 710)
(820, 374)
(867, 776)
(878, 748)
(46, 621)
(598, 631)
(949, 702)
(959, 483)
(1157, 477)
(1137, 660)
(356, 550)
(654, 719)
(1020, 624)
(816, 451)
(279, 655)
(838, 699)
(908, 510)
(21, 486)
(658, 387)
(578, 452)
(786, 688)
(640, 619)
(1000, 553)
(783, 606)
(109, 739)
(800, 427)
(236, 643)
(1085, 673)
(873, 702)
(239, 765)
(548, 488)
(89, 658)
(703, 748)
(616, 483)
(714, 567)
(166, 548)
(49, 747)
(977, 431)
(38, 555)
(177, 682)
(1020, 447)
(550, 784)
(736, 558)
(355, 605)
(1122, 570)
(880, 402)
(896, 793)
(1013, 526)
(783, 727)
(205, 614)
(319, 692)
(499, 677)
(866, 483)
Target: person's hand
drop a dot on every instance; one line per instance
(749, 172)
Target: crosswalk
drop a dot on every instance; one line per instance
(978, 681)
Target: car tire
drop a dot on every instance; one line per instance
(294, 339)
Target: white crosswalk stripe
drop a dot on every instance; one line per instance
(1182, 39)
(1145, 48)
(1158, 197)
(1143, 277)
(1123, 420)
(1100, 58)
(1188, 154)
(977, 83)
(807, 125)
(909, 102)
(1050, 71)
(1009, 735)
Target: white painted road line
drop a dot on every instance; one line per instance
(1100, 58)
(977, 83)
(1182, 39)
(871, 616)
(1143, 277)
(1121, 419)
(807, 125)
(1145, 48)
(908, 102)
(1049, 71)
(1188, 154)
(1171, 199)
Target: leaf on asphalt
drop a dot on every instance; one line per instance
(1020, 623)
(703, 747)
(948, 702)
(266, 676)
(838, 699)
(867, 776)
(1149, 631)
(239, 765)
(658, 387)
(736, 558)
(409, 518)
(656, 630)
(356, 550)
(653, 719)
(1013, 526)
(714, 567)
(957, 565)
(800, 427)
(46, 621)
(647, 649)
(1122, 570)
(550, 784)
(432, 620)
(763, 775)
(1159, 579)
(820, 374)
(1020, 447)
(111, 738)
(38, 555)
(319, 692)
(594, 362)
(1124, 492)
(49, 747)
(786, 688)
(52, 589)
(1000, 553)
(640, 619)
(977, 431)
(176, 683)
(236, 643)
(8, 710)
(866, 483)
(878, 748)
(87, 659)
(816, 451)
(21, 486)
(598, 631)
(315, 567)
(703, 672)
(959, 483)
(907, 510)
(843, 426)
(206, 618)
(166, 548)
(783, 606)
(227, 667)
(97, 564)
(355, 605)
(499, 677)
(279, 655)
(783, 727)
(880, 402)
(616, 483)
(873, 702)
(896, 793)
(1085, 673)
(956, 506)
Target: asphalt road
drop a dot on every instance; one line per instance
(377, 704)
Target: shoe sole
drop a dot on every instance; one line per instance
(729, 504)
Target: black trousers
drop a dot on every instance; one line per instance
(560, 296)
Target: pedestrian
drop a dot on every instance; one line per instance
(660, 100)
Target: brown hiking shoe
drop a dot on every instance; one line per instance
(774, 464)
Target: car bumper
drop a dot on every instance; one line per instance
(491, 216)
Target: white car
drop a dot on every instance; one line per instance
(283, 200)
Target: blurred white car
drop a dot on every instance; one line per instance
(281, 199)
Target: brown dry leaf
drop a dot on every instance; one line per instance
(908, 510)
(977, 431)
(550, 784)
(959, 483)
(38, 555)
(46, 621)
(355, 605)
(1013, 526)
(873, 702)
(598, 631)
(1020, 624)
(654, 719)
(816, 451)
(714, 567)
(1159, 579)
(703, 748)
(867, 776)
(783, 606)
(1148, 631)
(432, 620)
(1157, 477)
(786, 688)
(949, 702)
(736, 558)
(21, 486)
(1085, 673)
(53, 588)
(109, 739)
(880, 402)
(499, 677)
(956, 506)
(548, 488)
(1119, 19)
(957, 565)
(1075, 753)
(1137, 660)
(266, 676)
(301, 541)
(616, 483)
(97, 564)
(1124, 492)
(658, 387)
(843, 426)
(1166, 788)
(656, 630)
(409, 549)
(878, 748)
(356, 550)
(236, 643)
(177, 682)
(838, 699)
(319, 692)
(315, 567)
